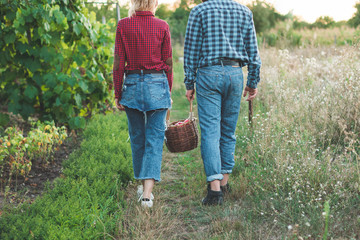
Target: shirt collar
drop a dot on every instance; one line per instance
(144, 13)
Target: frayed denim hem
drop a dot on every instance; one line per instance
(214, 177)
(145, 178)
(226, 171)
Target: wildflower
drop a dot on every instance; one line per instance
(290, 227)
(307, 224)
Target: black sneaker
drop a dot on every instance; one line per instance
(213, 198)
(225, 189)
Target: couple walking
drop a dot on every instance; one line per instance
(220, 40)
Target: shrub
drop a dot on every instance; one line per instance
(54, 60)
(17, 152)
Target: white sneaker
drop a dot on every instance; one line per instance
(145, 202)
(140, 191)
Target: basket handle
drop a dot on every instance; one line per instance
(191, 114)
(168, 117)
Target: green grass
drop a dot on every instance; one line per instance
(297, 171)
(87, 202)
(285, 171)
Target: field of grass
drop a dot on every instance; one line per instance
(284, 35)
(297, 172)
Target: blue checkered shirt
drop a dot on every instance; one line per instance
(220, 29)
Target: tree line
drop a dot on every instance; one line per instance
(265, 16)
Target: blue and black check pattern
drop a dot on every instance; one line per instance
(221, 29)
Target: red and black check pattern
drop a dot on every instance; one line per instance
(143, 42)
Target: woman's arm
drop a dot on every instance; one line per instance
(119, 63)
(166, 55)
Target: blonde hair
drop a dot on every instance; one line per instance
(143, 5)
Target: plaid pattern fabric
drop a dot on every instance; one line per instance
(220, 29)
(143, 42)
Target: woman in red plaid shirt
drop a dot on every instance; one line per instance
(142, 80)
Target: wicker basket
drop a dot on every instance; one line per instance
(184, 137)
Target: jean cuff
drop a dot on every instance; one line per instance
(145, 178)
(214, 177)
(226, 171)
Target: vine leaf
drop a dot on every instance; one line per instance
(31, 92)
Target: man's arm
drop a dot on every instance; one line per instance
(192, 48)
(253, 54)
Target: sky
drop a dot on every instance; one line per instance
(309, 10)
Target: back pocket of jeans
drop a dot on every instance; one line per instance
(129, 89)
(157, 89)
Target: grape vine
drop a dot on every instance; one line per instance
(55, 60)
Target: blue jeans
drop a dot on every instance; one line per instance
(218, 91)
(147, 132)
(146, 98)
(146, 92)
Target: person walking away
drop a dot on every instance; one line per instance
(220, 39)
(143, 43)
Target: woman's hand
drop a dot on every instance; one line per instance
(118, 105)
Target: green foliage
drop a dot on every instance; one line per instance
(178, 21)
(54, 62)
(355, 20)
(4, 119)
(163, 11)
(87, 203)
(265, 16)
(324, 22)
(107, 10)
(300, 24)
(17, 152)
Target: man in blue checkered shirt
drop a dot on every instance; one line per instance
(220, 39)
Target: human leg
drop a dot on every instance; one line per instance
(229, 116)
(136, 126)
(154, 139)
(209, 110)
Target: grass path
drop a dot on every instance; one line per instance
(177, 211)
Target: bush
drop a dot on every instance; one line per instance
(17, 152)
(87, 203)
(54, 60)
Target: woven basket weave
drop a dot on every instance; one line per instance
(184, 137)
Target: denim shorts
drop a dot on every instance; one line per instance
(146, 92)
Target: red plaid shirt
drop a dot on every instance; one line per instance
(143, 42)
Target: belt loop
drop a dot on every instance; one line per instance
(164, 73)
(142, 78)
(222, 64)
